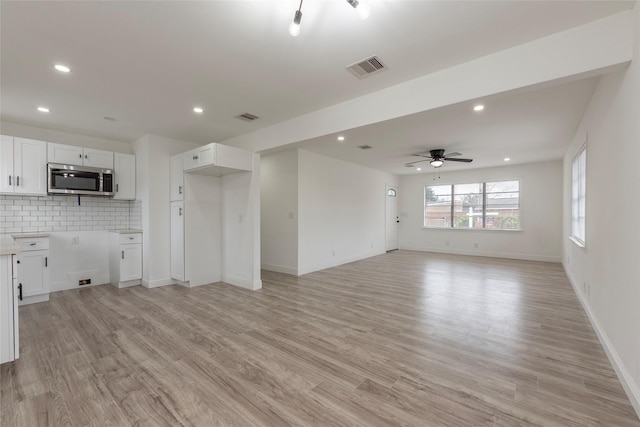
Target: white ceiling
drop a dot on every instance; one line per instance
(149, 63)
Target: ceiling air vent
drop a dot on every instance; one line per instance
(365, 147)
(366, 67)
(247, 117)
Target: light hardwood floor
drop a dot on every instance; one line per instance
(405, 338)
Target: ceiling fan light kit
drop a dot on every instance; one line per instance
(437, 158)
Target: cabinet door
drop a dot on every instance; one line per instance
(30, 166)
(64, 154)
(33, 273)
(177, 178)
(130, 262)
(7, 327)
(177, 241)
(124, 167)
(199, 157)
(98, 158)
(7, 178)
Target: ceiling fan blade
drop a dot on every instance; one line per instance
(454, 154)
(413, 163)
(422, 155)
(458, 160)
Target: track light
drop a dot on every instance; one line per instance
(360, 7)
(294, 28)
(436, 163)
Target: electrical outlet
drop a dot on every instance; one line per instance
(75, 240)
(333, 253)
(290, 215)
(475, 245)
(446, 243)
(240, 218)
(372, 246)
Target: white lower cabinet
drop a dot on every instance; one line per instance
(125, 259)
(9, 337)
(177, 241)
(33, 269)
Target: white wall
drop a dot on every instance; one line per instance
(540, 208)
(341, 210)
(153, 155)
(42, 134)
(605, 272)
(279, 211)
(241, 228)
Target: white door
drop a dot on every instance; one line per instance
(98, 158)
(30, 166)
(130, 262)
(392, 218)
(64, 154)
(177, 240)
(7, 177)
(177, 178)
(33, 273)
(125, 176)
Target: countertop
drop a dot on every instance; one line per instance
(125, 231)
(29, 235)
(8, 245)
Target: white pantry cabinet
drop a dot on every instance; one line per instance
(177, 178)
(23, 166)
(73, 155)
(124, 175)
(33, 268)
(125, 259)
(216, 160)
(9, 331)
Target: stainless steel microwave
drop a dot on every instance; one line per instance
(72, 179)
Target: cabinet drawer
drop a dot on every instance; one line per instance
(130, 238)
(32, 243)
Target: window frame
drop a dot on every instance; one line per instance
(581, 163)
(452, 195)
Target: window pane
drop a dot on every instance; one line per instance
(503, 205)
(468, 201)
(437, 201)
(578, 195)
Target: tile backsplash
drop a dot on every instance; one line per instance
(25, 214)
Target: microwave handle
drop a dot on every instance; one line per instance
(9, 179)
(18, 181)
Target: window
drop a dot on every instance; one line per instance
(578, 196)
(480, 205)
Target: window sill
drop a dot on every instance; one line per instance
(490, 230)
(579, 243)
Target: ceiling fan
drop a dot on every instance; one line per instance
(437, 158)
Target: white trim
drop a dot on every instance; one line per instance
(505, 255)
(579, 243)
(253, 285)
(157, 283)
(628, 384)
(280, 269)
(322, 266)
(66, 285)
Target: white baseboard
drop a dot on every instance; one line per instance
(66, 285)
(489, 254)
(630, 387)
(241, 282)
(341, 261)
(157, 283)
(280, 269)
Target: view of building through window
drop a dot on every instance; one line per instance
(578, 196)
(488, 205)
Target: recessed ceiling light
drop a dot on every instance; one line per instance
(198, 110)
(478, 107)
(43, 109)
(418, 169)
(62, 68)
(506, 159)
(341, 138)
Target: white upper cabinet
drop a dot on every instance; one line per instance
(216, 159)
(23, 166)
(72, 155)
(177, 178)
(124, 170)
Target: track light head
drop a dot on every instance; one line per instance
(294, 28)
(360, 7)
